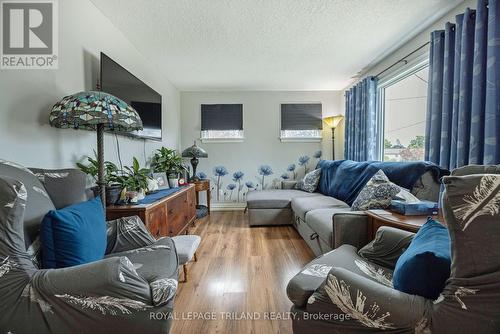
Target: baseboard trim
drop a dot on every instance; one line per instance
(228, 207)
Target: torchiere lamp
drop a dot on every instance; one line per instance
(97, 111)
(194, 152)
(333, 122)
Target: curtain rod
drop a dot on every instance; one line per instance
(402, 59)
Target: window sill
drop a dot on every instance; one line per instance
(222, 140)
(300, 139)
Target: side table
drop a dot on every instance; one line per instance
(378, 218)
(202, 185)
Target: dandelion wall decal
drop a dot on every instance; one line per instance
(231, 188)
(291, 168)
(219, 171)
(201, 175)
(238, 177)
(265, 170)
(318, 154)
(303, 161)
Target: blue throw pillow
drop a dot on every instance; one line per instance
(74, 235)
(425, 266)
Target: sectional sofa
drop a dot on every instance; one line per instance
(324, 218)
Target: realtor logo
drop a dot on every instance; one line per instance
(29, 34)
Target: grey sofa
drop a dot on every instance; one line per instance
(350, 291)
(131, 290)
(323, 221)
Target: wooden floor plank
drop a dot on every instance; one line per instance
(240, 277)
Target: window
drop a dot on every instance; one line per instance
(301, 121)
(222, 122)
(404, 111)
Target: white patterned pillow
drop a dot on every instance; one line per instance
(376, 194)
(310, 181)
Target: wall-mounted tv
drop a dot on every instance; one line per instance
(119, 82)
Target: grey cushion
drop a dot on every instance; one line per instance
(273, 198)
(64, 186)
(186, 246)
(302, 205)
(311, 277)
(310, 181)
(427, 187)
(321, 222)
(376, 194)
(476, 169)
(39, 202)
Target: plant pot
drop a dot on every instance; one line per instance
(113, 194)
(174, 182)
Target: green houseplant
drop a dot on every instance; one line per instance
(111, 174)
(135, 178)
(168, 161)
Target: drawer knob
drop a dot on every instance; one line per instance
(314, 236)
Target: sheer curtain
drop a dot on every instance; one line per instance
(463, 111)
(361, 121)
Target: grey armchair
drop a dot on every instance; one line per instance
(130, 291)
(346, 291)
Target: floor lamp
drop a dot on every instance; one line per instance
(333, 122)
(95, 111)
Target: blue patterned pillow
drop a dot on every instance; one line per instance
(310, 181)
(376, 194)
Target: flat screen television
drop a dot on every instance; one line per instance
(119, 82)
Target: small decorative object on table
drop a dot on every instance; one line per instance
(194, 152)
(162, 180)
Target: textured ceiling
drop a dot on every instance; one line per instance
(268, 44)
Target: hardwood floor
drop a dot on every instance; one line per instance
(242, 271)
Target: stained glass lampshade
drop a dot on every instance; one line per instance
(194, 152)
(96, 111)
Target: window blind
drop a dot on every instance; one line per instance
(221, 117)
(301, 116)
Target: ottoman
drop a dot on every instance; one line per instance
(186, 246)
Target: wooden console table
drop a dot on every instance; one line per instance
(378, 218)
(169, 216)
(202, 185)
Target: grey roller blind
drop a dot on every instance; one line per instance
(221, 117)
(301, 116)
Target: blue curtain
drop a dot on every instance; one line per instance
(463, 106)
(361, 121)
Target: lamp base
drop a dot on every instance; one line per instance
(194, 163)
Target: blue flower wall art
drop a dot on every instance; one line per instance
(238, 177)
(303, 161)
(219, 172)
(291, 168)
(231, 188)
(265, 170)
(318, 155)
(202, 175)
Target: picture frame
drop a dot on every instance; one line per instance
(162, 180)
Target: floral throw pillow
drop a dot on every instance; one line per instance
(310, 181)
(376, 194)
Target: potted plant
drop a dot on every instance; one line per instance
(135, 178)
(167, 161)
(111, 173)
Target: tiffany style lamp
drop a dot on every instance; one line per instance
(194, 152)
(95, 111)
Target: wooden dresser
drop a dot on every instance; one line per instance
(168, 216)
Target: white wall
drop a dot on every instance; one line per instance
(261, 119)
(26, 96)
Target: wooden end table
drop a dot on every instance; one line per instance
(378, 218)
(202, 185)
